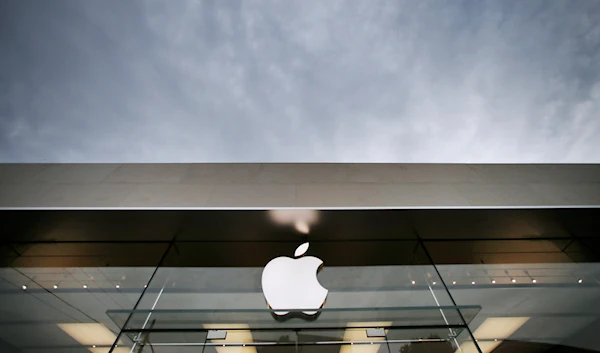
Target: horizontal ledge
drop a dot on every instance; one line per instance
(266, 208)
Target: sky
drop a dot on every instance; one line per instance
(424, 81)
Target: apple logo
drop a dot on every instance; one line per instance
(292, 285)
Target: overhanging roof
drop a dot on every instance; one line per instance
(264, 186)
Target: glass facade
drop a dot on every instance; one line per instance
(398, 281)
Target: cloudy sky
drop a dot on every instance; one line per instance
(306, 80)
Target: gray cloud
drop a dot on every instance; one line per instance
(371, 81)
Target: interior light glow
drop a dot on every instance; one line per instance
(434, 283)
(117, 286)
(496, 328)
(413, 282)
(534, 281)
(302, 220)
(55, 286)
(473, 282)
(24, 287)
(580, 280)
(356, 332)
(453, 282)
(107, 349)
(493, 281)
(513, 280)
(89, 334)
(499, 327)
(302, 227)
(85, 286)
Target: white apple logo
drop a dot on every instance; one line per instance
(292, 284)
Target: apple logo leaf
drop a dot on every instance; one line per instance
(301, 250)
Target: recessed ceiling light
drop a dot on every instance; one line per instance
(513, 280)
(433, 282)
(473, 282)
(499, 327)
(534, 281)
(493, 281)
(453, 282)
(413, 282)
(85, 286)
(55, 286)
(117, 286)
(580, 280)
(24, 287)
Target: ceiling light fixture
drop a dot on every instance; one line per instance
(55, 286)
(453, 282)
(88, 334)
(356, 333)
(513, 280)
(24, 287)
(580, 281)
(85, 286)
(534, 281)
(413, 282)
(493, 281)
(117, 286)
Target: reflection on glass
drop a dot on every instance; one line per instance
(357, 333)
(238, 334)
(430, 344)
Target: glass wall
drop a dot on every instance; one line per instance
(397, 281)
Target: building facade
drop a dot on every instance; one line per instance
(416, 258)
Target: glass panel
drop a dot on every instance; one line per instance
(432, 345)
(64, 309)
(356, 274)
(265, 319)
(533, 304)
(382, 283)
(354, 338)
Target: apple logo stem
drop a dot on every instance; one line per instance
(292, 285)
